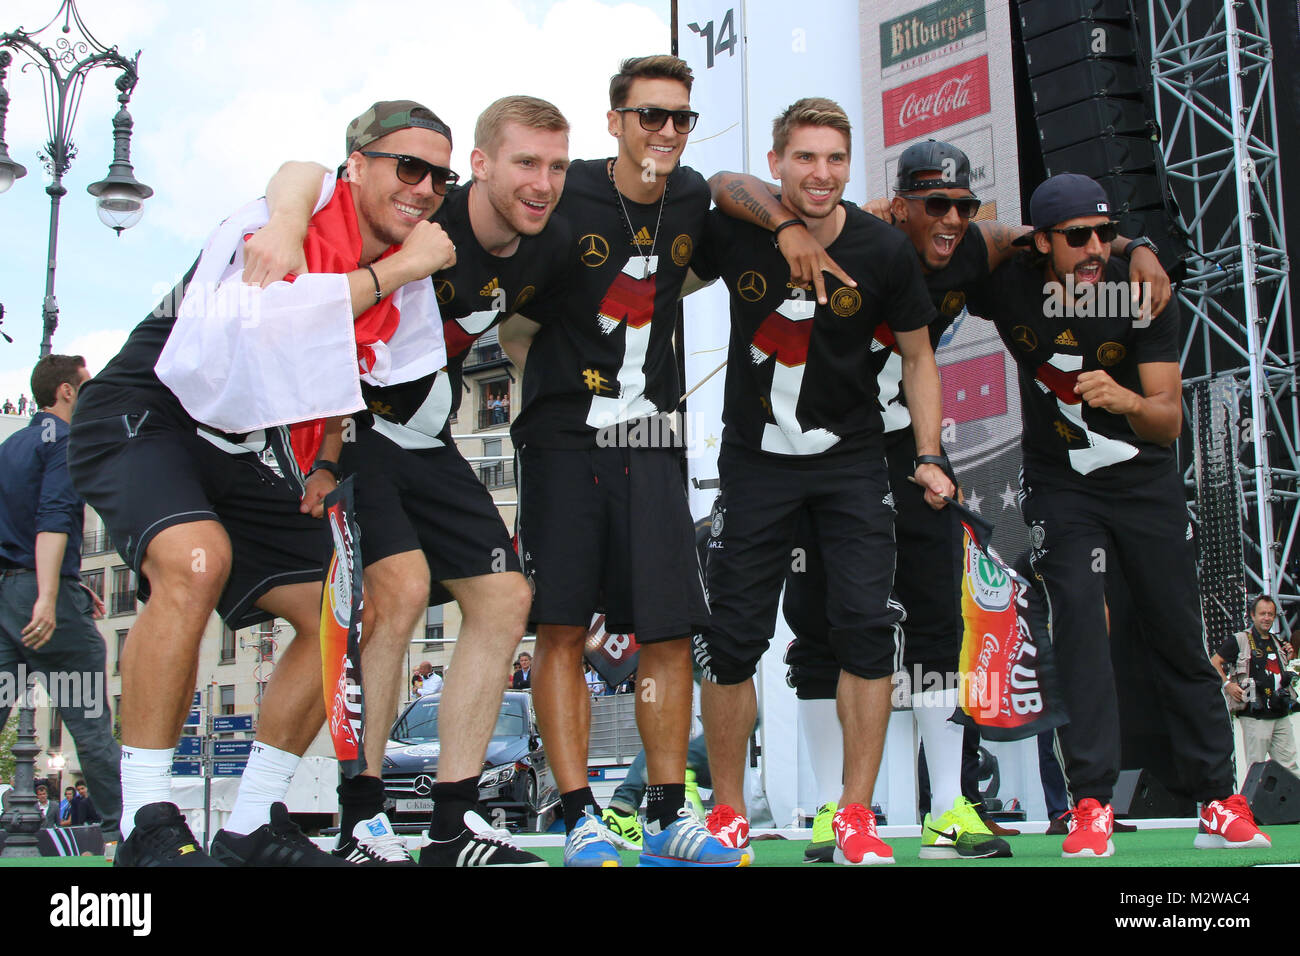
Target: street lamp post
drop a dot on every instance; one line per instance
(63, 65)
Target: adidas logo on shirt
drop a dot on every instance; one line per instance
(1067, 338)
(643, 237)
(490, 288)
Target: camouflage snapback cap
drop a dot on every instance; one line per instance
(388, 116)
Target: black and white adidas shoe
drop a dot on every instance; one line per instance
(374, 843)
(278, 843)
(477, 845)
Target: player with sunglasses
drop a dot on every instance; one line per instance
(1100, 400)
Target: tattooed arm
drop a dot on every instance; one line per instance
(751, 200)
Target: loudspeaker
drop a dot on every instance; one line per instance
(1084, 80)
(1273, 793)
(1043, 16)
(1103, 156)
(1079, 41)
(1140, 796)
(1094, 118)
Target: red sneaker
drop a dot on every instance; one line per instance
(1091, 826)
(1229, 825)
(731, 829)
(856, 840)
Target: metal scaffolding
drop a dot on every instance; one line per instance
(1212, 71)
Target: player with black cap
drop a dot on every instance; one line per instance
(935, 206)
(1100, 398)
(213, 527)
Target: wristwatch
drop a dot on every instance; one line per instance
(941, 460)
(1139, 242)
(324, 464)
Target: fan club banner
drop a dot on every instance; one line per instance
(340, 633)
(1008, 684)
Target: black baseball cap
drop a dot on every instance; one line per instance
(929, 156)
(1064, 196)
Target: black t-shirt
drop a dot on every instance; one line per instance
(801, 377)
(1063, 439)
(475, 294)
(968, 267)
(605, 354)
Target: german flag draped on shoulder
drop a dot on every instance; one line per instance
(240, 358)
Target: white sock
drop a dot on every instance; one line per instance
(821, 736)
(942, 739)
(146, 778)
(265, 781)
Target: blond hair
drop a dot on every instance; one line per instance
(660, 67)
(527, 111)
(810, 111)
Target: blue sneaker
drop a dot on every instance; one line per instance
(687, 842)
(590, 844)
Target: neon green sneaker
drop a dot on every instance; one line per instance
(693, 796)
(960, 834)
(822, 847)
(625, 826)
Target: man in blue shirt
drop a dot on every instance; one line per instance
(46, 615)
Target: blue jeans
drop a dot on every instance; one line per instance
(627, 798)
(72, 660)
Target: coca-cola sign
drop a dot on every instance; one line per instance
(936, 101)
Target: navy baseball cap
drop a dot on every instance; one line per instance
(932, 155)
(1064, 196)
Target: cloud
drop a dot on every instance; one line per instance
(230, 89)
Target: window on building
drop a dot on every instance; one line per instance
(227, 646)
(122, 632)
(499, 473)
(494, 402)
(227, 705)
(95, 581)
(123, 597)
(432, 626)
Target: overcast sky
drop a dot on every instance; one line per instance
(228, 90)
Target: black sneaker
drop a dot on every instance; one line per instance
(374, 843)
(278, 843)
(161, 838)
(477, 845)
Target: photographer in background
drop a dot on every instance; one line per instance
(1259, 687)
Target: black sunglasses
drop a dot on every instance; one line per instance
(412, 170)
(653, 118)
(1078, 236)
(938, 206)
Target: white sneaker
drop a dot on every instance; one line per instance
(376, 844)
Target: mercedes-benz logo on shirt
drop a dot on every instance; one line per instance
(423, 785)
(593, 250)
(1024, 336)
(444, 290)
(751, 286)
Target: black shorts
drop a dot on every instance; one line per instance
(144, 480)
(430, 500)
(852, 517)
(610, 529)
(927, 581)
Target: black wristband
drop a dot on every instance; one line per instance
(378, 294)
(324, 464)
(941, 461)
(776, 233)
(1138, 243)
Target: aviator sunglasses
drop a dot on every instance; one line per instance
(653, 118)
(412, 170)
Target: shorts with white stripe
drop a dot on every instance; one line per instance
(851, 514)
